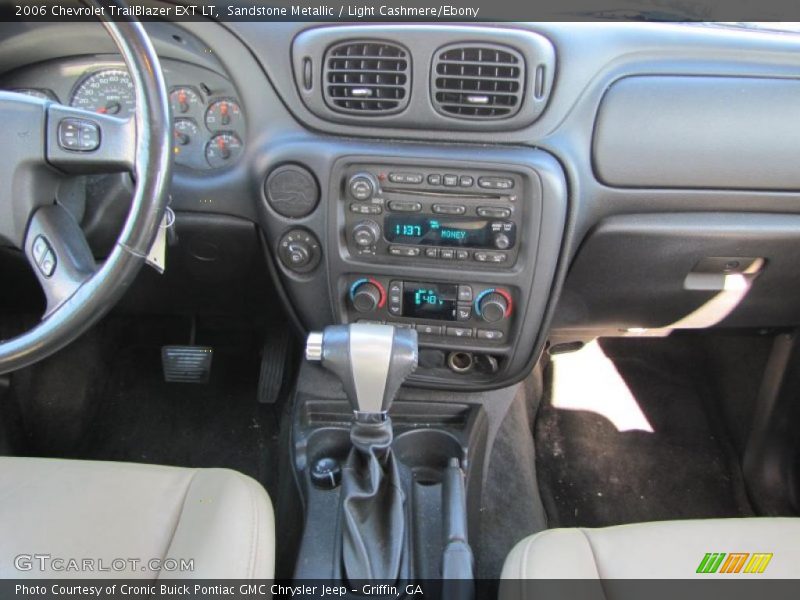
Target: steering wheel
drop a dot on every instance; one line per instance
(47, 142)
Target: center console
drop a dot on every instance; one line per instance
(460, 244)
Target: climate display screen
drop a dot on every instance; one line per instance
(430, 300)
(447, 231)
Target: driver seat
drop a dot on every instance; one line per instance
(86, 516)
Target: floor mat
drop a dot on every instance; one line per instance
(628, 433)
(140, 418)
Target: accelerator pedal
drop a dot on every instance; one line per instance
(276, 360)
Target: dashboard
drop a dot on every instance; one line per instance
(496, 187)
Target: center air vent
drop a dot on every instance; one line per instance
(478, 81)
(367, 77)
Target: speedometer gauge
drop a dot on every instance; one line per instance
(108, 92)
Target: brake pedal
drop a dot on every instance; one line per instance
(186, 364)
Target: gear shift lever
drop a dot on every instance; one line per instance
(372, 361)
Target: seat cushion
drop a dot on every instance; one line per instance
(667, 550)
(72, 511)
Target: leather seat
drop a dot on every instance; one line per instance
(107, 513)
(663, 550)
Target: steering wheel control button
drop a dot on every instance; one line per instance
(78, 135)
(292, 191)
(43, 256)
(299, 251)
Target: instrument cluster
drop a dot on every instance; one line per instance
(208, 122)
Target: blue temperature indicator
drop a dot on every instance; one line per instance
(423, 297)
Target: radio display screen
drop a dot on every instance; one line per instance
(446, 231)
(430, 300)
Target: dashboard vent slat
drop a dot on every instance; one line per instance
(478, 81)
(369, 78)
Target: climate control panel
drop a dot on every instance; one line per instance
(440, 311)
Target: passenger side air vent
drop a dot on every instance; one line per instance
(367, 77)
(478, 81)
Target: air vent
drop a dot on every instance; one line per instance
(478, 81)
(367, 77)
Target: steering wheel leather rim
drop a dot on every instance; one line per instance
(152, 168)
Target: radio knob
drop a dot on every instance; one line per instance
(366, 297)
(366, 234)
(502, 241)
(493, 307)
(363, 186)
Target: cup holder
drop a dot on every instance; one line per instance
(426, 452)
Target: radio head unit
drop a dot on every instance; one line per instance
(432, 214)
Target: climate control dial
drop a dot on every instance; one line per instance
(493, 305)
(367, 295)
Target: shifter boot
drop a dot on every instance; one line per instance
(373, 528)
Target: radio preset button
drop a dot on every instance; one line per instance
(494, 257)
(434, 179)
(496, 183)
(449, 209)
(403, 251)
(405, 206)
(494, 212)
(432, 252)
(447, 253)
(459, 332)
(451, 180)
(462, 254)
(466, 181)
(429, 329)
(490, 334)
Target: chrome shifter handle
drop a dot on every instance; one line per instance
(372, 361)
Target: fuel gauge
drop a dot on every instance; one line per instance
(187, 143)
(223, 149)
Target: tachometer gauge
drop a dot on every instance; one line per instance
(223, 149)
(184, 100)
(187, 144)
(37, 93)
(224, 115)
(109, 92)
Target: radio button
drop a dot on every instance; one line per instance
(447, 253)
(413, 178)
(502, 241)
(366, 209)
(405, 206)
(459, 332)
(465, 181)
(464, 293)
(496, 183)
(403, 251)
(490, 334)
(432, 252)
(429, 329)
(449, 209)
(494, 212)
(463, 313)
(481, 256)
(451, 180)
(435, 179)
(462, 254)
